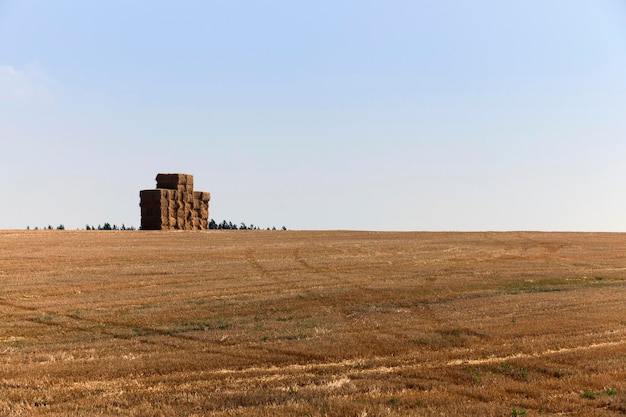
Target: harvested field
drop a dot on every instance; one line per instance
(285, 323)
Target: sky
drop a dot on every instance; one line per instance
(346, 114)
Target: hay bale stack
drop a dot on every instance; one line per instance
(182, 183)
(154, 209)
(174, 205)
(201, 209)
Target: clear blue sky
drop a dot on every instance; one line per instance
(344, 114)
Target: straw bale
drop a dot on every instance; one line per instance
(145, 205)
(198, 202)
(188, 197)
(171, 178)
(202, 196)
(153, 195)
(151, 223)
(170, 194)
(173, 181)
(203, 214)
(181, 195)
(152, 219)
(180, 188)
(179, 204)
(152, 211)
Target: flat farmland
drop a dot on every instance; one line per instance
(308, 323)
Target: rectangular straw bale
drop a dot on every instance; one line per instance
(199, 206)
(171, 181)
(152, 195)
(181, 195)
(157, 206)
(151, 219)
(170, 194)
(202, 195)
(145, 204)
(187, 197)
(180, 188)
(197, 222)
(151, 211)
(178, 204)
(153, 216)
(151, 223)
(171, 178)
(203, 214)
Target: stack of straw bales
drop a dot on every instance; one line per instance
(173, 205)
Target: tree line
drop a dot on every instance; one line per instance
(227, 225)
(213, 225)
(106, 226)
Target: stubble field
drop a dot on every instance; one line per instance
(282, 323)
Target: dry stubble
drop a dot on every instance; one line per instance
(312, 323)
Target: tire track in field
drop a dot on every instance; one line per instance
(125, 331)
(301, 261)
(367, 366)
(496, 359)
(297, 263)
(117, 330)
(317, 270)
(272, 275)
